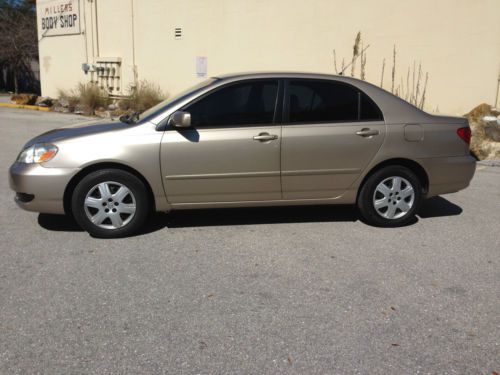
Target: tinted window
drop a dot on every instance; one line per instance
(321, 101)
(318, 101)
(239, 104)
(369, 110)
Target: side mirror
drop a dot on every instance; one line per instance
(180, 119)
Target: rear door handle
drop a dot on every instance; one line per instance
(366, 132)
(265, 137)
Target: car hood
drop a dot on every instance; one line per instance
(79, 130)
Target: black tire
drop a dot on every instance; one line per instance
(367, 193)
(138, 196)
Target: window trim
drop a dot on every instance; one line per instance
(278, 111)
(286, 103)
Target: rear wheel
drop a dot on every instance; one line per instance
(390, 197)
(110, 203)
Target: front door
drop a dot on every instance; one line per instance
(331, 133)
(231, 153)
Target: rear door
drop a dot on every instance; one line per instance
(331, 132)
(232, 151)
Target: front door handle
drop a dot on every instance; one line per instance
(265, 137)
(366, 132)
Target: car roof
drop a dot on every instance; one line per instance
(254, 75)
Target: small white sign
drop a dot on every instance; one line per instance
(58, 17)
(201, 66)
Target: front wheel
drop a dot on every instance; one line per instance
(110, 203)
(390, 197)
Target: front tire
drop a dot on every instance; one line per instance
(390, 197)
(110, 203)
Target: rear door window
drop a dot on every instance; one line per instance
(316, 101)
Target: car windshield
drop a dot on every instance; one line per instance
(181, 95)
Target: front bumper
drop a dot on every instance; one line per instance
(46, 185)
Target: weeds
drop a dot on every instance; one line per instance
(92, 97)
(144, 96)
(414, 92)
(88, 96)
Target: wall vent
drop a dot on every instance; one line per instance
(178, 33)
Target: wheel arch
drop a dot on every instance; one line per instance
(408, 163)
(70, 187)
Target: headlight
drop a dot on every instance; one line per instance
(38, 153)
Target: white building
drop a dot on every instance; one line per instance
(177, 43)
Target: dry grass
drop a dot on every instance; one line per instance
(362, 75)
(382, 75)
(24, 99)
(144, 96)
(92, 97)
(355, 53)
(68, 98)
(393, 75)
(88, 96)
(413, 91)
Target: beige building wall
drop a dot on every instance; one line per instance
(457, 42)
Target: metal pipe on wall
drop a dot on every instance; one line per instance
(85, 34)
(498, 89)
(96, 28)
(92, 28)
(133, 43)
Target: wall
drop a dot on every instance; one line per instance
(457, 41)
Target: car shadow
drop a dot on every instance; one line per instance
(437, 207)
(433, 207)
(254, 216)
(58, 223)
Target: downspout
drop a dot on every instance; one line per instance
(498, 89)
(96, 28)
(133, 43)
(85, 33)
(92, 29)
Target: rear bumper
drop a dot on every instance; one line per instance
(38, 188)
(448, 174)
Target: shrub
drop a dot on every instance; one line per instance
(88, 96)
(67, 99)
(92, 97)
(142, 97)
(24, 99)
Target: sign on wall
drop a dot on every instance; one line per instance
(58, 17)
(201, 66)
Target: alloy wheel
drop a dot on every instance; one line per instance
(394, 197)
(110, 205)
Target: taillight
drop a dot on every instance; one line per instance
(465, 134)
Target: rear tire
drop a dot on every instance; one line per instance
(110, 203)
(390, 197)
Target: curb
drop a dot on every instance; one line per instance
(22, 106)
(490, 163)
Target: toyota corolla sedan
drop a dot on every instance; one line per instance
(248, 140)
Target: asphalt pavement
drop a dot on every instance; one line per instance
(308, 290)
